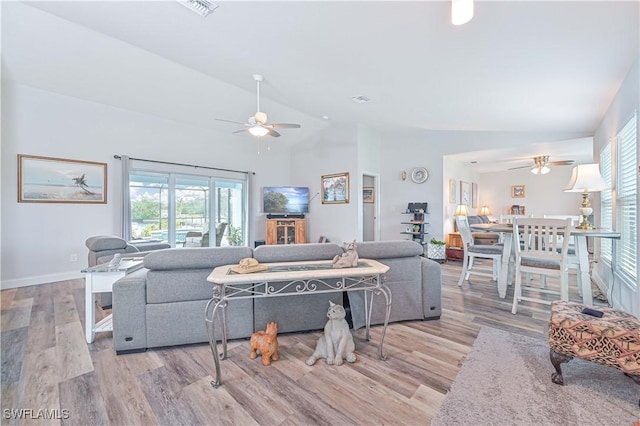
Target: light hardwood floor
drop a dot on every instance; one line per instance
(48, 368)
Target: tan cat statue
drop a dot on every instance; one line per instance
(265, 343)
(337, 342)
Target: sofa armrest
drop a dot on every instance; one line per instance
(431, 288)
(129, 312)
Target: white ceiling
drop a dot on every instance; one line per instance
(544, 66)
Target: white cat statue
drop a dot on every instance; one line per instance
(336, 345)
(348, 259)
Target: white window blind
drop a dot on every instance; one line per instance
(606, 203)
(626, 201)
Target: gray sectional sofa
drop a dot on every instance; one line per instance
(163, 303)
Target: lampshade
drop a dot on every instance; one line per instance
(462, 210)
(258, 131)
(461, 11)
(484, 211)
(586, 178)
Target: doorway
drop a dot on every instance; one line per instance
(369, 207)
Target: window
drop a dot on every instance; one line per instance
(626, 202)
(186, 208)
(606, 204)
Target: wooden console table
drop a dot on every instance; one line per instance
(292, 279)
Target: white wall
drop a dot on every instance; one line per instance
(38, 239)
(544, 194)
(622, 108)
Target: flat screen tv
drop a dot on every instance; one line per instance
(285, 199)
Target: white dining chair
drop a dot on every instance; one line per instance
(572, 255)
(541, 247)
(473, 251)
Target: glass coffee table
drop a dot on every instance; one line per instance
(287, 279)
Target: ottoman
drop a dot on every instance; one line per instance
(612, 340)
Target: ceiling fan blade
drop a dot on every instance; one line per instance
(561, 163)
(241, 130)
(522, 167)
(230, 121)
(284, 126)
(273, 133)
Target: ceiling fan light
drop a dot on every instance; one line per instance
(260, 117)
(258, 131)
(540, 170)
(461, 11)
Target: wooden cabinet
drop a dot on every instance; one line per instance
(286, 231)
(455, 240)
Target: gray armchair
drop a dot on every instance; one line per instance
(102, 248)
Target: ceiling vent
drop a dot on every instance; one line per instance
(360, 99)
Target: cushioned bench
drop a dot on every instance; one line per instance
(613, 340)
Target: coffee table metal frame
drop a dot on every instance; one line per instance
(293, 279)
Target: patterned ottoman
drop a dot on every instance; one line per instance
(613, 340)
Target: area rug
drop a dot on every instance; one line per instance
(506, 380)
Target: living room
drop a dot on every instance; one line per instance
(76, 90)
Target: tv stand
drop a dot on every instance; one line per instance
(285, 216)
(287, 230)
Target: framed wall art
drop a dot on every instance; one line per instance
(367, 194)
(335, 188)
(474, 195)
(452, 191)
(59, 180)
(517, 191)
(465, 193)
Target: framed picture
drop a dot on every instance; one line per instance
(474, 195)
(452, 191)
(367, 194)
(58, 180)
(465, 193)
(517, 191)
(335, 188)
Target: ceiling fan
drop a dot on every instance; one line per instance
(257, 124)
(541, 165)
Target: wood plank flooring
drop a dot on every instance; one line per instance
(50, 375)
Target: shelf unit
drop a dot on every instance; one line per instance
(416, 228)
(286, 231)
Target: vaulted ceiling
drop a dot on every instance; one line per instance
(517, 66)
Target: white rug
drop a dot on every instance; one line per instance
(506, 380)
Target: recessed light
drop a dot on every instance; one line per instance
(325, 117)
(360, 99)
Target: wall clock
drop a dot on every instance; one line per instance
(419, 175)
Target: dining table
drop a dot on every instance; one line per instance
(580, 235)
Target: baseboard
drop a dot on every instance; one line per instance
(40, 279)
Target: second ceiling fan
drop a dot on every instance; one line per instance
(541, 165)
(257, 124)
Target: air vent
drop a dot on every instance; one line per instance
(360, 99)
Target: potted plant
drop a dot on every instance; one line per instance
(235, 236)
(436, 250)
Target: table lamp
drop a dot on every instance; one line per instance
(586, 178)
(485, 211)
(462, 210)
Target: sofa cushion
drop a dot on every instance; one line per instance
(195, 258)
(296, 252)
(388, 249)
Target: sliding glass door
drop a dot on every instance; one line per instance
(187, 210)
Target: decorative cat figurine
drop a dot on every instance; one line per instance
(337, 342)
(265, 343)
(349, 258)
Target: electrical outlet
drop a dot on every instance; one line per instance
(73, 258)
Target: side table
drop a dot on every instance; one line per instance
(100, 279)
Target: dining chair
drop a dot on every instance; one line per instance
(473, 251)
(541, 247)
(572, 255)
